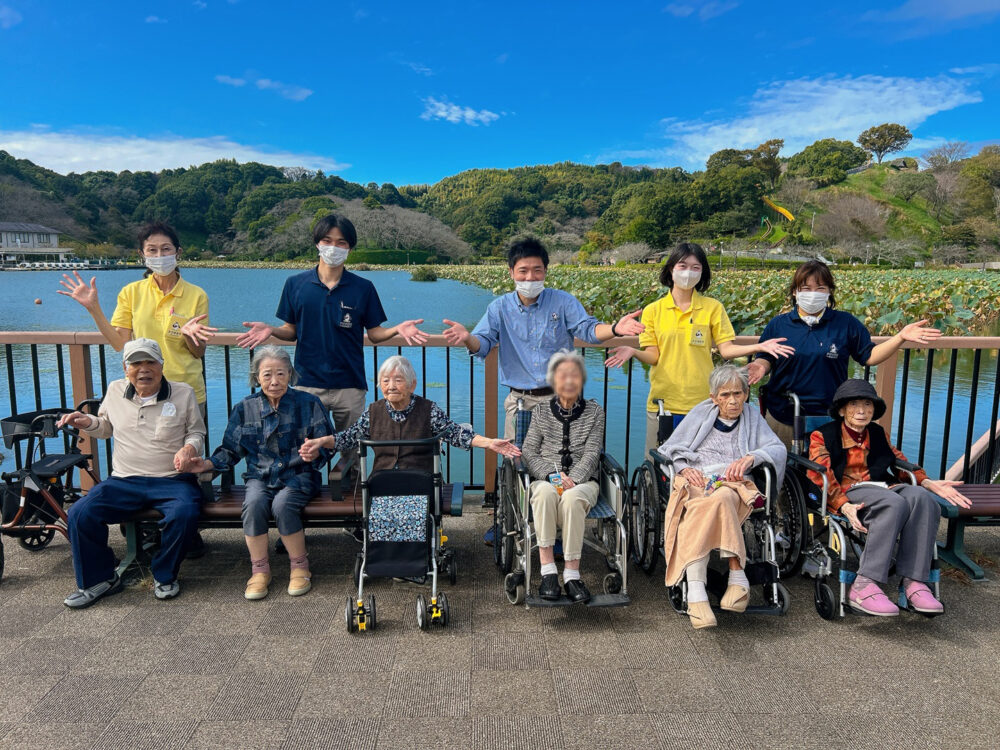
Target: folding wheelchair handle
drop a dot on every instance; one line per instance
(431, 442)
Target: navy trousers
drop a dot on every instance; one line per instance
(115, 500)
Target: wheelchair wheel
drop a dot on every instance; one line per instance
(443, 606)
(514, 588)
(782, 600)
(504, 541)
(349, 614)
(372, 619)
(452, 570)
(422, 621)
(789, 519)
(33, 541)
(645, 522)
(826, 601)
(675, 595)
(1, 559)
(607, 537)
(613, 583)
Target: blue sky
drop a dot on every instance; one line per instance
(408, 92)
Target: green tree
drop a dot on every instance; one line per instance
(906, 185)
(887, 138)
(765, 158)
(826, 161)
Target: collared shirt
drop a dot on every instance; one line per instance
(458, 435)
(147, 435)
(819, 364)
(529, 335)
(855, 467)
(330, 327)
(270, 439)
(685, 339)
(145, 310)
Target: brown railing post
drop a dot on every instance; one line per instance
(490, 429)
(83, 388)
(885, 384)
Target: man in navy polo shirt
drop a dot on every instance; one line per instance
(327, 311)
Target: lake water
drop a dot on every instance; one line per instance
(237, 295)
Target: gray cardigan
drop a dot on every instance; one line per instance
(754, 437)
(544, 441)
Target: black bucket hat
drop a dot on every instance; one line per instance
(852, 390)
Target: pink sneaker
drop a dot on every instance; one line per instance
(867, 597)
(921, 599)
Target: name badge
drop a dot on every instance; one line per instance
(169, 410)
(833, 353)
(174, 325)
(699, 335)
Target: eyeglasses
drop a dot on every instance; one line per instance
(156, 252)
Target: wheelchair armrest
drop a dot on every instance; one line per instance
(519, 465)
(609, 464)
(804, 463)
(906, 465)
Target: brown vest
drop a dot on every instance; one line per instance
(416, 426)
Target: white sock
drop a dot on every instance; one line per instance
(571, 574)
(549, 569)
(738, 577)
(697, 592)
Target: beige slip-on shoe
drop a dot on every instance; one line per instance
(701, 615)
(300, 582)
(257, 586)
(736, 598)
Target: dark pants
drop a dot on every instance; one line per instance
(115, 500)
(284, 504)
(906, 515)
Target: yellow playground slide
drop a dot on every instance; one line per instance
(783, 211)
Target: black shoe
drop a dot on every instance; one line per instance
(549, 587)
(576, 591)
(195, 548)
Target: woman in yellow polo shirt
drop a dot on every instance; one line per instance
(160, 306)
(682, 327)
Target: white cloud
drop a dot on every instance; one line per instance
(200, 4)
(9, 17)
(82, 151)
(805, 110)
(155, 19)
(705, 11)
(418, 68)
(987, 69)
(938, 10)
(442, 109)
(287, 90)
(230, 81)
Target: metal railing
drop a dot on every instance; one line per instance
(61, 369)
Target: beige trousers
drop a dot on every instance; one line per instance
(568, 511)
(784, 431)
(344, 404)
(510, 410)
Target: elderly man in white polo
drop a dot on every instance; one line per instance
(157, 427)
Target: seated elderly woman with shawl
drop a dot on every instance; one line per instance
(712, 451)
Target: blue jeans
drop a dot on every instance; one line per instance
(284, 503)
(115, 500)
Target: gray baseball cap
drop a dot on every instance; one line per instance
(139, 350)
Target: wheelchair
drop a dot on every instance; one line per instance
(514, 537)
(652, 483)
(402, 535)
(832, 547)
(35, 496)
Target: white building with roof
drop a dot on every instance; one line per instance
(22, 243)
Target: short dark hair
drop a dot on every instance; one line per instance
(813, 269)
(335, 221)
(682, 251)
(529, 247)
(158, 227)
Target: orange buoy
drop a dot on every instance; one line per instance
(38, 300)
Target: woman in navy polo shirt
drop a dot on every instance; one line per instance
(824, 339)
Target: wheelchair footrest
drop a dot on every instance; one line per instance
(596, 600)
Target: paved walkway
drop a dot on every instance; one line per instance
(212, 670)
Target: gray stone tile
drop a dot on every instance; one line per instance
(425, 734)
(596, 691)
(427, 694)
(207, 654)
(145, 735)
(362, 652)
(131, 655)
(517, 733)
(246, 735)
(41, 656)
(696, 730)
(343, 695)
(50, 735)
(332, 734)
(509, 651)
(670, 690)
(607, 732)
(171, 697)
(19, 693)
(433, 650)
(84, 697)
(280, 653)
(508, 692)
(257, 696)
(298, 615)
(571, 650)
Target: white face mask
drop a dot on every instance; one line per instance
(162, 266)
(812, 302)
(333, 255)
(686, 279)
(529, 289)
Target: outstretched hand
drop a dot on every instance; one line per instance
(919, 332)
(945, 488)
(455, 334)
(776, 348)
(257, 335)
(619, 356)
(628, 325)
(504, 448)
(75, 288)
(76, 419)
(410, 333)
(756, 371)
(195, 330)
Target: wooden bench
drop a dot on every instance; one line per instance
(323, 511)
(985, 511)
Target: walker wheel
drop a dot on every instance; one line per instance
(784, 600)
(357, 570)
(452, 570)
(443, 607)
(422, 619)
(826, 601)
(33, 541)
(372, 620)
(349, 615)
(513, 587)
(613, 583)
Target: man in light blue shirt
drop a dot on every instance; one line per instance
(531, 324)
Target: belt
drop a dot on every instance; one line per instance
(537, 392)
